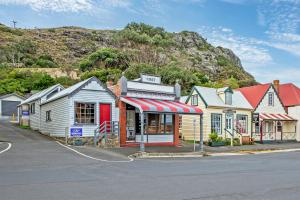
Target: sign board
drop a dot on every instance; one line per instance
(76, 131)
(228, 110)
(25, 113)
(150, 79)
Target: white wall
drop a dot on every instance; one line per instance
(59, 117)
(97, 95)
(34, 119)
(263, 107)
(295, 113)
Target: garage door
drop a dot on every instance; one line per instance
(9, 107)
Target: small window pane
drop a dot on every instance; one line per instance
(84, 113)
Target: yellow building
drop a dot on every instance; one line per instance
(226, 112)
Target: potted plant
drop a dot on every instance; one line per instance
(215, 140)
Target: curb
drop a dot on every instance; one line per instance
(146, 155)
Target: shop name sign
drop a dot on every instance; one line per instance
(151, 79)
(76, 132)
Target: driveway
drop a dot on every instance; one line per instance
(36, 168)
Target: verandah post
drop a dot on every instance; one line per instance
(142, 145)
(201, 134)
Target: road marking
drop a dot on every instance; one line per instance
(98, 159)
(9, 146)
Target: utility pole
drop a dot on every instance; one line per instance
(14, 22)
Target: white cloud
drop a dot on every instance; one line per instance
(53, 5)
(276, 72)
(250, 50)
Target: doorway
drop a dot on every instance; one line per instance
(105, 115)
(229, 122)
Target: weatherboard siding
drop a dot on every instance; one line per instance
(97, 95)
(263, 106)
(294, 112)
(188, 127)
(59, 117)
(35, 118)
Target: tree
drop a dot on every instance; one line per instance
(105, 58)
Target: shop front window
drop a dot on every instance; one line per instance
(159, 124)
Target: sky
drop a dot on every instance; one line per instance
(265, 34)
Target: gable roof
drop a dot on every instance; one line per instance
(211, 98)
(41, 93)
(12, 94)
(289, 94)
(254, 94)
(74, 88)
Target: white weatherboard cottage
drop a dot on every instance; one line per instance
(31, 107)
(78, 110)
(270, 119)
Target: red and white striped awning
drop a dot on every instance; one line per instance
(278, 117)
(162, 106)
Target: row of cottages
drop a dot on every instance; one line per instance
(75, 111)
(225, 111)
(265, 112)
(148, 111)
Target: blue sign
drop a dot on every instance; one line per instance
(76, 132)
(25, 113)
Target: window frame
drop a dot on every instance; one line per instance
(32, 108)
(270, 94)
(246, 123)
(162, 121)
(193, 99)
(48, 116)
(221, 123)
(95, 113)
(228, 96)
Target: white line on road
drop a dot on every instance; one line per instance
(9, 146)
(98, 159)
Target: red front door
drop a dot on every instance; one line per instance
(105, 112)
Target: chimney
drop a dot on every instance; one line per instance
(109, 84)
(276, 85)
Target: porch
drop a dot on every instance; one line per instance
(274, 127)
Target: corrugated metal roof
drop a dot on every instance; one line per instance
(211, 97)
(41, 94)
(68, 91)
(289, 94)
(254, 94)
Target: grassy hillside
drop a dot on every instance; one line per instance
(138, 48)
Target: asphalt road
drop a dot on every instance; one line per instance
(37, 168)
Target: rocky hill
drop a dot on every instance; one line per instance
(70, 48)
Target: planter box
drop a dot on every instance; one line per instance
(217, 144)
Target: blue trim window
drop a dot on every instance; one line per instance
(271, 98)
(194, 100)
(216, 123)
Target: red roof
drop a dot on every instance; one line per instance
(254, 94)
(163, 106)
(289, 94)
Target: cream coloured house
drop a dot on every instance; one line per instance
(225, 111)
